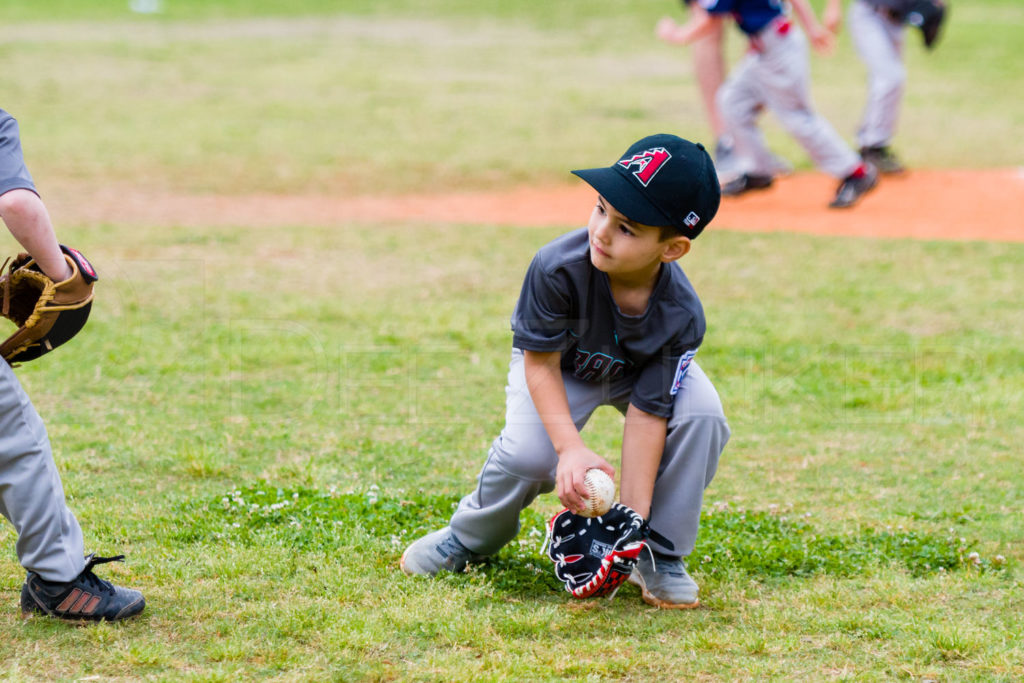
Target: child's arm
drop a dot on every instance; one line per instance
(643, 442)
(701, 24)
(28, 221)
(544, 380)
(822, 40)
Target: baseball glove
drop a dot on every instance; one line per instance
(47, 313)
(927, 15)
(595, 555)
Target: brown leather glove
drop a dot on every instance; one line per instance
(47, 313)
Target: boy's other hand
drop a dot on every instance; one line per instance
(823, 40)
(832, 16)
(833, 21)
(666, 29)
(572, 470)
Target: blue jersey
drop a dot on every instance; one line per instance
(751, 15)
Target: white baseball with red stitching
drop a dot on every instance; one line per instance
(600, 491)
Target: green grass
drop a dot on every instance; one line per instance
(838, 534)
(346, 381)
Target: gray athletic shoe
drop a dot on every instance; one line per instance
(438, 551)
(664, 582)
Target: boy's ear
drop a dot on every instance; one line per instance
(676, 248)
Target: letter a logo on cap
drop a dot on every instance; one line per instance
(647, 164)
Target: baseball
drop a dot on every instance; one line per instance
(601, 491)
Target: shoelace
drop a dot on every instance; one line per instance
(451, 545)
(93, 581)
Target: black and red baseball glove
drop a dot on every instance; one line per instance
(593, 556)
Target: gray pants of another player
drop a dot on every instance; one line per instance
(31, 495)
(521, 462)
(775, 73)
(879, 41)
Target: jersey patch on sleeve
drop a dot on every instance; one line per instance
(681, 370)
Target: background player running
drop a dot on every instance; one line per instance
(775, 73)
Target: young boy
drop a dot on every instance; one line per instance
(607, 317)
(775, 73)
(60, 581)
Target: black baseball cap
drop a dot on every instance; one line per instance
(661, 180)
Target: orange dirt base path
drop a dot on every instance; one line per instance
(924, 204)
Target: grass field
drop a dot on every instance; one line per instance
(261, 419)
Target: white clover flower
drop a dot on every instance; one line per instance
(998, 559)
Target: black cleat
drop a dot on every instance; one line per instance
(87, 597)
(883, 159)
(853, 188)
(746, 183)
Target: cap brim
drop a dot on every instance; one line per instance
(623, 195)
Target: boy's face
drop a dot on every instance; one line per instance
(620, 247)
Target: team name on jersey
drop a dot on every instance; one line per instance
(594, 367)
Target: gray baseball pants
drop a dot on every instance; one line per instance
(775, 73)
(521, 462)
(31, 495)
(879, 42)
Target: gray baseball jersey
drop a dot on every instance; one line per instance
(566, 305)
(31, 495)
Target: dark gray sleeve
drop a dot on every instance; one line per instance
(542, 318)
(658, 383)
(13, 173)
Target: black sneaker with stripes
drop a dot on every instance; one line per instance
(87, 597)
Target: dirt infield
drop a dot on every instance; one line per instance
(925, 204)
